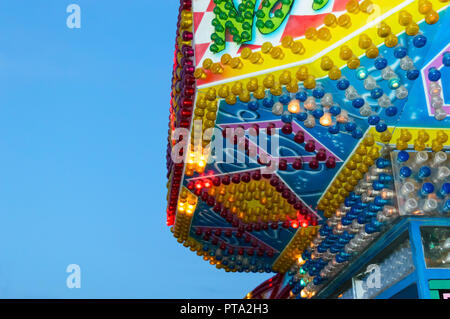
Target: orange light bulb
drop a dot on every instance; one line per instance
(294, 106)
(326, 120)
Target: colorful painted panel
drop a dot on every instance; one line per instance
(279, 111)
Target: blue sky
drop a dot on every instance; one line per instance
(83, 127)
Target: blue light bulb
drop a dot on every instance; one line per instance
(268, 102)
(301, 96)
(405, 172)
(377, 185)
(380, 63)
(424, 172)
(400, 52)
(357, 133)
(335, 110)
(358, 102)
(376, 93)
(446, 207)
(302, 116)
(412, 74)
(350, 126)
(419, 41)
(334, 129)
(445, 190)
(391, 111)
(385, 178)
(318, 113)
(285, 99)
(373, 119)
(253, 105)
(318, 92)
(286, 117)
(382, 162)
(446, 58)
(402, 156)
(427, 188)
(342, 84)
(381, 127)
(434, 74)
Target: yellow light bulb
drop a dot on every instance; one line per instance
(300, 260)
(303, 293)
(326, 120)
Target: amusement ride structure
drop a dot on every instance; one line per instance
(310, 139)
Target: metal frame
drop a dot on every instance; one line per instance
(425, 274)
(421, 274)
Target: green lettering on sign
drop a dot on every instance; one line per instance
(239, 22)
(269, 20)
(319, 4)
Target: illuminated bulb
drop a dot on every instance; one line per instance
(202, 162)
(390, 211)
(191, 158)
(301, 261)
(198, 185)
(338, 230)
(387, 194)
(294, 106)
(394, 83)
(361, 73)
(326, 120)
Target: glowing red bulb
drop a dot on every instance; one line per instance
(207, 183)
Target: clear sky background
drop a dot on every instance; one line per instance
(83, 128)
